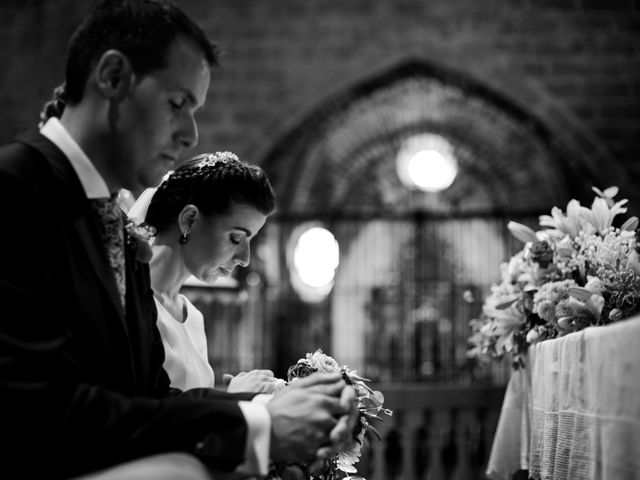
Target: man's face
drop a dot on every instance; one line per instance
(156, 120)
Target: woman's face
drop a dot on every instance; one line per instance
(218, 243)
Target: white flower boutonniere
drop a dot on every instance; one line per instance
(139, 237)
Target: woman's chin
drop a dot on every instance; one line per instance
(210, 277)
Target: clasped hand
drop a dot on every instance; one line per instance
(312, 419)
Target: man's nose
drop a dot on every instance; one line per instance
(188, 133)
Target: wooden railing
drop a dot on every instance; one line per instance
(435, 433)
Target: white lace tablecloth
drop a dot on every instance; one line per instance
(574, 411)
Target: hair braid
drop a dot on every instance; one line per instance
(55, 106)
(211, 182)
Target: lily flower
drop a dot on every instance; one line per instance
(601, 214)
(607, 194)
(569, 224)
(504, 320)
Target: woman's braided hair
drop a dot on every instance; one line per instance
(211, 182)
(55, 106)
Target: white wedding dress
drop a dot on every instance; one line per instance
(185, 343)
(185, 347)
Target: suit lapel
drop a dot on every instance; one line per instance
(69, 190)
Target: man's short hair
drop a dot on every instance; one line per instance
(143, 30)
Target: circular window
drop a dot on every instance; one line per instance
(426, 162)
(313, 256)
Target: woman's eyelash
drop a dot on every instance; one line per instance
(176, 104)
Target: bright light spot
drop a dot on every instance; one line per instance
(313, 256)
(253, 279)
(430, 170)
(316, 257)
(426, 162)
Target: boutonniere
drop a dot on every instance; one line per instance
(139, 236)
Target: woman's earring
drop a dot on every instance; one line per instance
(184, 238)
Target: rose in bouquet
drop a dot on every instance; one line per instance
(370, 406)
(577, 270)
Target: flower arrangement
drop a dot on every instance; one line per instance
(370, 405)
(579, 270)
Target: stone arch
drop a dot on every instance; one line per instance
(312, 155)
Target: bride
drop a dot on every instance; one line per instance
(205, 214)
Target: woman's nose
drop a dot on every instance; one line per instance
(243, 256)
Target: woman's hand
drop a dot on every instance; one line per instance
(260, 381)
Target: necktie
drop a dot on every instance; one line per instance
(112, 230)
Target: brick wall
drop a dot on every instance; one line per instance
(574, 64)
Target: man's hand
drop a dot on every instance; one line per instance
(305, 415)
(341, 435)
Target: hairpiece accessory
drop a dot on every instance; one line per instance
(210, 159)
(184, 238)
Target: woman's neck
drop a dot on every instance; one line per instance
(168, 272)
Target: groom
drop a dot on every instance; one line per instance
(82, 388)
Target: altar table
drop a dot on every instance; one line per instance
(573, 412)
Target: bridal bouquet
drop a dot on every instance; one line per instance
(578, 270)
(370, 405)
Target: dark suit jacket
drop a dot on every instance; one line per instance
(81, 384)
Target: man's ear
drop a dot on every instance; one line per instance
(114, 74)
(188, 217)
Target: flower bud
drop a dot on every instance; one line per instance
(615, 315)
(532, 336)
(565, 323)
(630, 225)
(522, 232)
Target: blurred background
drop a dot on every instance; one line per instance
(400, 136)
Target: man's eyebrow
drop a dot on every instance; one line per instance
(191, 98)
